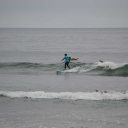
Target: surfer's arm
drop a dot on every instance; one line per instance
(63, 58)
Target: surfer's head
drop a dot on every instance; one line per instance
(65, 54)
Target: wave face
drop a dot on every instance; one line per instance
(66, 95)
(105, 69)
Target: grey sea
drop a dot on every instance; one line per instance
(34, 95)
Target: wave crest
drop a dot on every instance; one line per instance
(105, 69)
(66, 95)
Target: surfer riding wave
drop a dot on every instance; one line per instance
(67, 61)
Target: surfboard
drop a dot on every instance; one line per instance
(63, 71)
(59, 71)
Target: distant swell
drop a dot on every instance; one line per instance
(21, 65)
(66, 95)
(103, 69)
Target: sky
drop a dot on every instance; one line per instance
(63, 13)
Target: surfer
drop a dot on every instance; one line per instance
(106, 67)
(67, 60)
(101, 92)
(101, 61)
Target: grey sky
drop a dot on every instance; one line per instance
(64, 13)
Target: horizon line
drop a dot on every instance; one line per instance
(66, 28)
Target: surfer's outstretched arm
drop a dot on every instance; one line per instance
(63, 58)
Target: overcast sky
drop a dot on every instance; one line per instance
(64, 13)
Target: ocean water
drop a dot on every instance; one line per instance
(34, 95)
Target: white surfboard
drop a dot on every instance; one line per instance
(60, 71)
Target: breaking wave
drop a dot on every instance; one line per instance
(105, 69)
(112, 95)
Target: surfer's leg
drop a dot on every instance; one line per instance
(65, 66)
(68, 65)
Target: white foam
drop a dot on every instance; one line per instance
(110, 65)
(66, 95)
(76, 69)
(83, 70)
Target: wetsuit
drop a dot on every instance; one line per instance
(67, 60)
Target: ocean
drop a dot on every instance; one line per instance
(34, 95)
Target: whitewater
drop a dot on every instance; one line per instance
(106, 68)
(92, 94)
(67, 95)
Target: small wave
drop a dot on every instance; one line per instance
(111, 65)
(21, 65)
(27, 67)
(105, 69)
(66, 95)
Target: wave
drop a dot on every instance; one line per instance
(112, 95)
(105, 69)
(23, 65)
